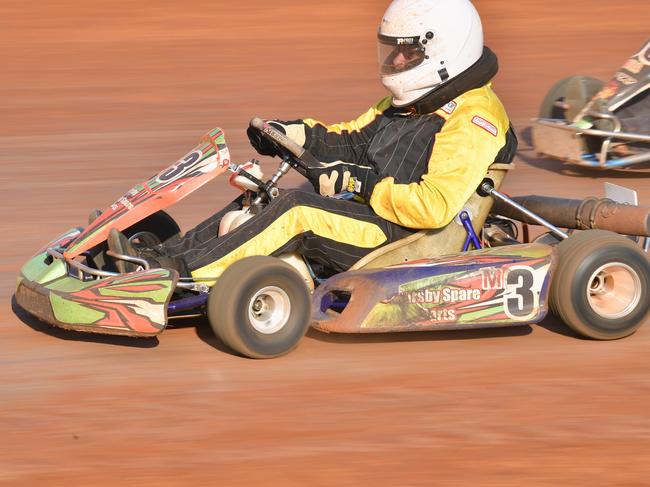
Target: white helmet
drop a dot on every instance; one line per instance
(423, 43)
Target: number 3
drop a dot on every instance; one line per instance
(520, 300)
(181, 167)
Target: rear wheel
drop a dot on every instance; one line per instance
(260, 307)
(600, 288)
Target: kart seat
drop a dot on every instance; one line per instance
(427, 244)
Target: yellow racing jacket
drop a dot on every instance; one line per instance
(430, 164)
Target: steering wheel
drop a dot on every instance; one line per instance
(297, 154)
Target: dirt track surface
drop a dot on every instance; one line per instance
(96, 96)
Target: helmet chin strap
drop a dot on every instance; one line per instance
(477, 75)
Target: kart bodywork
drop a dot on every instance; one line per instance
(503, 286)
(131, 304)
(586, 122)
(202, 164)
(473, 273)
(58, 286)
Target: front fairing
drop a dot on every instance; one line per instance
(203, 163)
(130, 304)
(51, 287)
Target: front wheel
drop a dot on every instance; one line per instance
(600, 288)
(160, 224)
(260, 307)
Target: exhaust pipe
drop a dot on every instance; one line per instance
(590, 213)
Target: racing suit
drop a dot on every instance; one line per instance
(428, 165)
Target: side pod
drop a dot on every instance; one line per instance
(503, 286)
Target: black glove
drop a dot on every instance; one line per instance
(263, 145)
(337, 177)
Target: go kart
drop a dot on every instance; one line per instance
(586, 122)
(473, 273)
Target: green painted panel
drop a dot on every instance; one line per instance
(159, 296)
(69, 285)
(67, 311)
(388, 314)
(34, 266)
(477, 315)
(55, 270)
(36, 270)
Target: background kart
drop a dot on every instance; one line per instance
(261, 306)
(586, 122)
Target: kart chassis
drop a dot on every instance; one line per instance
(398, 287)
(84, 272)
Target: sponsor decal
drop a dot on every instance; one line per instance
(521, 294)
(127, 204)
(492, 278)
(405, 40)
(442, 314)
(441, 295)
(608, 90)
(624, 78)
(429, 298)
(449, 107)
(181, 168)
(224, 157)
(485, 125)
(633, 66)
(353, 183)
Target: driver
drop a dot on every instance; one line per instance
(412, 160)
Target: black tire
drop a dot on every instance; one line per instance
(576, 91)
(600, 287)
(160, 223)
(255, 281)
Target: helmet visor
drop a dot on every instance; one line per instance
(399, 54)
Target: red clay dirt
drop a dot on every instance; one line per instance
(96, 96)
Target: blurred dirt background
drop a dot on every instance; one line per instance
(96, 96)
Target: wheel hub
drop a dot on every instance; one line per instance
(614, 290)
(269, 310)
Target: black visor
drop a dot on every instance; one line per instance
(399, 54)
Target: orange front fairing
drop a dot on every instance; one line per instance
(203, 163)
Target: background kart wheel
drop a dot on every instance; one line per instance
(260, 307)
(568, 96)
(600, 288)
